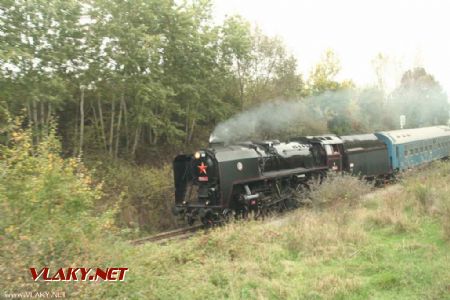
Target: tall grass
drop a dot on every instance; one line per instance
(338, 190)
(429, 193)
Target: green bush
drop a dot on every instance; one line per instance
(143, 194)
(46, 206)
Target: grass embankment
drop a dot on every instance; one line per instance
(390, 244)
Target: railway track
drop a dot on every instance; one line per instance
(164, 237)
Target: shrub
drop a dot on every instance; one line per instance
(46, 209)
(144, 195)
(337, 190)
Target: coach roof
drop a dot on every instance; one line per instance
(412, 135)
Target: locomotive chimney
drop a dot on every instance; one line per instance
(214, 141)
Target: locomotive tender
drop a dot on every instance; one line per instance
(228, 180)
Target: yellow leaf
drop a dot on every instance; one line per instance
(9, 229)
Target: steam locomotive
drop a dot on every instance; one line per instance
(223, 181)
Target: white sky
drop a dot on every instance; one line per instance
(413, 33)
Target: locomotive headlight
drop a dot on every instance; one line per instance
(197, 155)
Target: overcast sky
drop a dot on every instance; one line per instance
(412, 33)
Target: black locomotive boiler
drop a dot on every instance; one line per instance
(231, 180)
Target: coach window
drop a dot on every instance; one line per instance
(328, 149)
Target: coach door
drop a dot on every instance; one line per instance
(334, 156)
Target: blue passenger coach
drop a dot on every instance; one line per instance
(411, 147)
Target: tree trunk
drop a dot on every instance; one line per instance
(81, 121)
(36, 123)
(47, 119)
(94, 112)
(42, 121)
(125, 119)
(75, 144)
(30, 113)
(191, 133)
(154, 136)
(30, 120)
(136, 140)
(241, 86)
(150, 135)
(187, 123)
(102, 125)
(111, 129)
(118, 127)
(49, 113)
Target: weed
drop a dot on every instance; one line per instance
(339, 190)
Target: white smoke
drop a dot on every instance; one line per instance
(364, 110)
(279, 118)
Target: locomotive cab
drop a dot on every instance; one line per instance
(334, 150)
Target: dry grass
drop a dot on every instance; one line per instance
(332, 285)
(322, 234)
(390, 212)
(339, 190)
(445, 210)
(429, 193)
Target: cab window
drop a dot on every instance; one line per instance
(335, 149)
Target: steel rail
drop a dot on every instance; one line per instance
(162, 237)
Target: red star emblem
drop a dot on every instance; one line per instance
(202, 168)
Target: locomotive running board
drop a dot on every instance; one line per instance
(289, 172)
